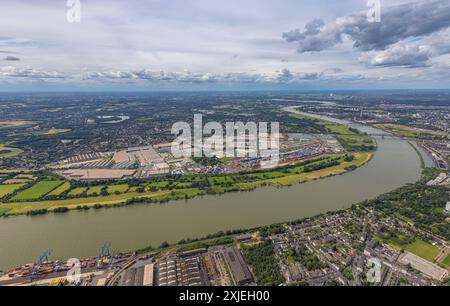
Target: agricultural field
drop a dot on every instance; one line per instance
(96, 190)
(134, 188)
(20, 179)
(77, 191)
(2, 172)
(38, 190)
(118, 188)
(158, 185)
(23, 208)
(25, 176)
(16, 181)
(7, 189)
(57, 131)
(297, 175)
(61, 189)
(6, 151)
(186, 184)
(410, 132)
(14, 123)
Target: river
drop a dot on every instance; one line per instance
(82, 233)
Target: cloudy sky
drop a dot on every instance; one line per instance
(234, 44)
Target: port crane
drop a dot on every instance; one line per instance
(105, 250)
(44, 257)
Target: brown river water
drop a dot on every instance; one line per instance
(82, 233)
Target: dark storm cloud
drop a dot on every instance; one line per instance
(397, 23)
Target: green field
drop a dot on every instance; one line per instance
(119, 188)
(158, 185)
(419, 248)
(23, 208)
(7, 189)
(63, 188)
(134, 189)
(25, 176)
(9, 152)
(15, 171)
(94, 190)
(295, 175)
(411, 132)
(77, 191)
(423, 249)
(447, 261)
(38, 190)
(16, 181)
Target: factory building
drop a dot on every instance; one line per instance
(139, 275)
(186, 269)
(239, 269)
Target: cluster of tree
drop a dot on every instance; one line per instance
(394, 236)
(261, 258)
(351, 168)
(11, 195)
(61, 210)
(355, 146)
(295, 124)
(306, 258)
(422, 204)
(322, 165)
(222, 238)
(37, 212)
(354, 131)
(349, 158)
(205, 244)
(273, 229)
(365, 148)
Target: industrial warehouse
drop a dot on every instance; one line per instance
(157, 160)
(201, 267)
(119, 165)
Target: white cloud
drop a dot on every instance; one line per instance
(208, 42)
(28, 72)
(410, 56)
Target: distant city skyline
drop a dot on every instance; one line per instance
(238, 45)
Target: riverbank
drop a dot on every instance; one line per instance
(279, 177)
(359, 147)
(81, 233)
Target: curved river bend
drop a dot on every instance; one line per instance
(81, 233)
